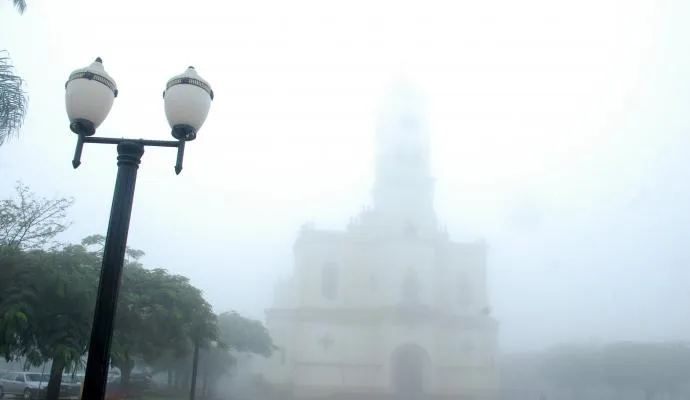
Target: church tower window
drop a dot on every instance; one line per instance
(326, 341)
(329, 281)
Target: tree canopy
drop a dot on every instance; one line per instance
(47, 297)
(244, 335)
(20, 5)
(28, 221)
(649, 368)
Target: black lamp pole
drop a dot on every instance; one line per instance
(129, 153)
(89, 96)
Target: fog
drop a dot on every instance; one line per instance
(558, 135)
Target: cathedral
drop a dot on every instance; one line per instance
(390, 307)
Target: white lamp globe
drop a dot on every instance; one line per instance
(89, 96)
(187, 99)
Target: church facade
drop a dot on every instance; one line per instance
(390, 307)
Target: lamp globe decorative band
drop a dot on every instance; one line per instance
(89, 96)
(187, 99)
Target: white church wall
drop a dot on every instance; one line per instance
(284, 294)
(330, 343)
(340, 354)
(317, 250)
(466, 282)
(277, 368)
(358, 289)
(468, 380)
(395, 262)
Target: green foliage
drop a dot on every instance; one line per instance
(96, 244)
(46, 314)
(20, 5)
(47, 297)
(13, 99)
(236, 334)
(158, 314)
(19, 297)
(244, 334)
(46, 309)
(646, 366)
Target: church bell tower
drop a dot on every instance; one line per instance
(403, 191)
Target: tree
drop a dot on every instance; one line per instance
(158, 315)
(214, 363)
(62, 331)
(97, 243)
(47, 297)
(572, 367)
(646, 367)
(237, 334)
(19, 296)
(244, 335)
(29, 222)
(48, 316)
(13, 99)
(20, 5)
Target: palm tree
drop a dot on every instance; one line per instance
(13, 100)
(20, 5)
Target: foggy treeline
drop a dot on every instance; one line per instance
(617, 371)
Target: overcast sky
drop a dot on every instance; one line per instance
(559, 133)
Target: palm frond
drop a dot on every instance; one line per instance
(20, 5)
(13, 98)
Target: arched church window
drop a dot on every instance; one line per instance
(329, 281)
(464, 290)
(410, 230)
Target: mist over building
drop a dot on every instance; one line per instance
(390, 305)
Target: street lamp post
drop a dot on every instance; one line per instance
(89, 96)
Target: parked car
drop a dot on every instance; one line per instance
(137, 381)
(71, 386)
(33, 385)
(140, 380)
(28, 385)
